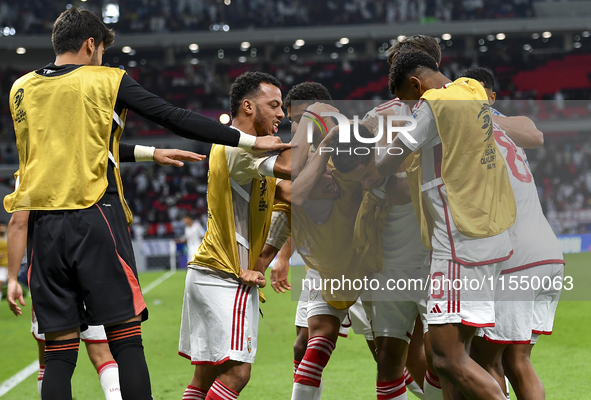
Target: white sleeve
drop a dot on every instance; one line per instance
(426, 129)
(267, 167)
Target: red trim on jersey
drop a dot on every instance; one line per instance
(541, 332)
(388, 104)
(409, 335)
(451, 242)
(506, 341)
(531, 265)
(94, 341)
(489, 325)
(185, 355)
(138, 300)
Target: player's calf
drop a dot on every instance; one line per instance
(125, 342)
(60, 362)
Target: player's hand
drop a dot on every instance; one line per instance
(14, 292)
(279, 273)
(253, 278)
(318, 108)
(176, 157)
(270, 143)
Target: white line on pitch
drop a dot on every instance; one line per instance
(10, 383)
(20, 376)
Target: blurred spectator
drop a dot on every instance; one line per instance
(193, 235)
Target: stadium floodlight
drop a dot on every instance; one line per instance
(300, 42)
(586, 33)
(224, 118)
(490, 38)
(577, 45)
(334, 56)
(481, 42)
(338, 45)
(244, 46)
(483, 49)
(501, 36)
(126, 49)
(21, 50)
(226, 28)
(194, 61)
(110, 13)
(344, 40)
(547, 34)
(527, 47)
(535, 35)
(132, 64)
(293, 57)
(242, 59)
(227, 2)
(194, 47)
(446, 36)
(351, 50)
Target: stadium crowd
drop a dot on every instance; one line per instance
(140, 16)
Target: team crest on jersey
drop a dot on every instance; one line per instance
(313, 294)
(20, 115)
(487, 119)
(249, 344)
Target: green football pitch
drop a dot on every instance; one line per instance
(562, 360)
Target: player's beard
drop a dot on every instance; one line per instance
(260, 123)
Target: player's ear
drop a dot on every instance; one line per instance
(88, 46)
(493, 97)
(248, 107)
(415, 85)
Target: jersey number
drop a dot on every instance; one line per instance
(513, 157)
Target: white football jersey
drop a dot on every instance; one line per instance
(534, 242)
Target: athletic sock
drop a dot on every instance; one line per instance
(432, 387)
(391, 390)
(219, 391)
(412, 386)
(308, 376)
(296, 364)
(40, 379)
(125, 341)
(109, 377)
(60, 361)
(194, 393)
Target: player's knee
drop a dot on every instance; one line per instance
(300, 345)
(241, 375)
(446, 365)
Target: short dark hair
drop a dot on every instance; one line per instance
(344, 158)
(307, 91)
(74, 26)
(481, 75)
(248, 85)
(423, 43)
(407, 63)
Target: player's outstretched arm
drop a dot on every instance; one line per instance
(17, 242)
(307, 178)
(521, 130)
(175, 157)
(389, 163)
(186, 123)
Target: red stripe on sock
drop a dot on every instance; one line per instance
(219, 391)
(317, 354)
(390, 390)
(432, 380)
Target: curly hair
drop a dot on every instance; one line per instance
(74, 26)
(423, 43)
(481, 75)
(307, 91)
(407, 63)
(246, 86)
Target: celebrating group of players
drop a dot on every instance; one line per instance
(463, 207)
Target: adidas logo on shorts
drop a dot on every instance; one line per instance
(435, 310)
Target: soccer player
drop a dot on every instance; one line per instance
(193, 236)
(94, 337)
(390, 228)
(521, 317)
(67, 117)
(466, 229)
(219, 323)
